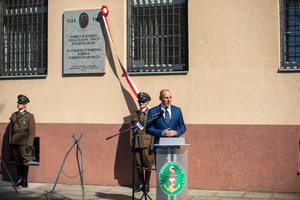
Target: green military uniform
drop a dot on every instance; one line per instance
(22, 130)
(144, 144)
(21, 137)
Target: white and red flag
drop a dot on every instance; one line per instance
(104, 12)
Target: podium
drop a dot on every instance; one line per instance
(171, 169)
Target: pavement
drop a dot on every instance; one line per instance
(43, 191)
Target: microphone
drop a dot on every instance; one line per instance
(139, 126)
(159, 113)
(152, 117)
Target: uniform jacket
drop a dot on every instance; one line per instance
(155, 127)
(24, 125)
(146, 140)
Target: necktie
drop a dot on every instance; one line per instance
(167, 117)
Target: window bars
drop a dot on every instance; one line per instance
(23, 38)
(157, 36)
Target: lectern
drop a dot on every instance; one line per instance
(171, 169)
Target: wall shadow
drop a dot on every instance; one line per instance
(124, 157)
(6, 155)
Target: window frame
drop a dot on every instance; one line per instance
(161, 68)
(286, 66)
(29, 59)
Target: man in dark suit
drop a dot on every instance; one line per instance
(168, 124)
(144, 157)
(21, 137)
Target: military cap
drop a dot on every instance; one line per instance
(22, 99)
(143, 96)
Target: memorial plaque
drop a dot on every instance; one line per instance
(84, 42)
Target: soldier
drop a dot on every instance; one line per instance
(146, 143)
(21, 137)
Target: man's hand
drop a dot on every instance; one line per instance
(169, 133)
(151, 150)
(173, 133)
(166, 132)
(27, 149)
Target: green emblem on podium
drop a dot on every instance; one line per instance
(172, 178)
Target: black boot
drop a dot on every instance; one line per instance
(147, 177)
(24, 176)
(19, 181)
(141, 181)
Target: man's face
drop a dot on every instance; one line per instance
(166, 98)
(143, 104)
(21, 106)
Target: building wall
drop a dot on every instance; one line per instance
(241, 114)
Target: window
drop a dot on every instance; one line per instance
(157, 36)
(23, 38)
(35, 152)
(290, 43)
(34, 158)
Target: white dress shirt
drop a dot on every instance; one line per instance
(162, 107)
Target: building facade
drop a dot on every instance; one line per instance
(235, 78)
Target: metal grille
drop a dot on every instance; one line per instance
(157, 35)
(23, 38)
(290, 34)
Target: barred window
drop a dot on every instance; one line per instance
(290, 48)
(23, 38)
(157, 36)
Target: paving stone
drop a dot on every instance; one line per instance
(206, 193)
(258, 195)
(229, 194)
(286, 196)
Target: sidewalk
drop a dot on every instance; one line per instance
(62, 191)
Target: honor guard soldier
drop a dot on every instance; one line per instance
(21, 137)
(146, 141)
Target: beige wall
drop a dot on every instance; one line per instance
(234, 56)
(242, 116)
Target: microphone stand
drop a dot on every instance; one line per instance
(120, 132)
(141, 157)
(136, 127)
(152, 118)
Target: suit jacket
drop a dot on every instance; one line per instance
(146, 140)
(22, 129)
(155, 127)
